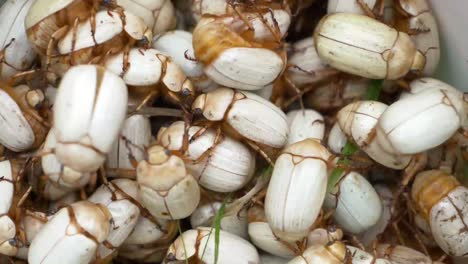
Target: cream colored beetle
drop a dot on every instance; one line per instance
(83, 127)
(72, 235)
(165, 187)
(130, 147)
(403, 127)
(363, 46)
(356, 203)
(233, 249)
(120, 198)
(305, 124)
(300, 174)
(335, 253)
(230, 165)
(247, 114)
(16, 53)
(158, 15)
(9, 172)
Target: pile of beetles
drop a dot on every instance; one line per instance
(229, 132)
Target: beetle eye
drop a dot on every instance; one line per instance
(13, 242)
(197, 111)
(167, 152)
(185, 91)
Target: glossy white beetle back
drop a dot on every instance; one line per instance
(305, 124)
(71, 236)
(85, 131)
(300, 174)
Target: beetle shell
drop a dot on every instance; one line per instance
(362, 257)
(149, 67)
(54, 171)
(336, 139)
(307, 65)
(84, 130)
(16, 132)
(17, 52)
(119, 197)
(329, 254)
(148, 231)
(358, 206)
(386, 196)
(7, 234)
(262, 236)
(7, 226)
(235, 224)
(345, 6)
(230, 62)
(417, 16)
(45, 17)
(300, 174)
(305, 124)
(166, 189)
(403, 126)
(135, 137)
(31, 223)
(230, 166)
(72, 235)
(113, 32)
(439, 197)
(402, 255)
(363, 46)
(158, 15)
(233, 250)
(358, 121)
(248, 114)
(178, 45)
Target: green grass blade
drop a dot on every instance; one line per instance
(183, 242)
(217, 223)
(373, 92)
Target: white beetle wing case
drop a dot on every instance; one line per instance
(403, 127)
(85, 130)
(62, 239)
(119, 197)
(15, 131)
(233, 249)
(300, 174)
(357, 204)
(346, 6)
(305, 124)
(18, 52)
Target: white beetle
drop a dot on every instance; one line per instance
(335, 253)
(235, 224)
(31, 223)
(357, 205)
(336, 139)
(166, 189)
(418, 20)
(227, 56)
(21, 128)
(72, 235)
(363, 46)
(353, 6)
(47, 18)
(178, 45)
(438, 196)
(16, 53)
(130, 147)
(144, 69)
(113, 32)
(403, 127)
(358, 121)
(361, 257)
(305, 124)
(306, 65)
(246, 114)
(65, 177)
(83, 127)
(149, 241)
(9, 171)
(158, 15)
(220, 164)
(232, 250)
(262, 236)
(270, 259)
(120, 198)
(403, 255)
(300, 174)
